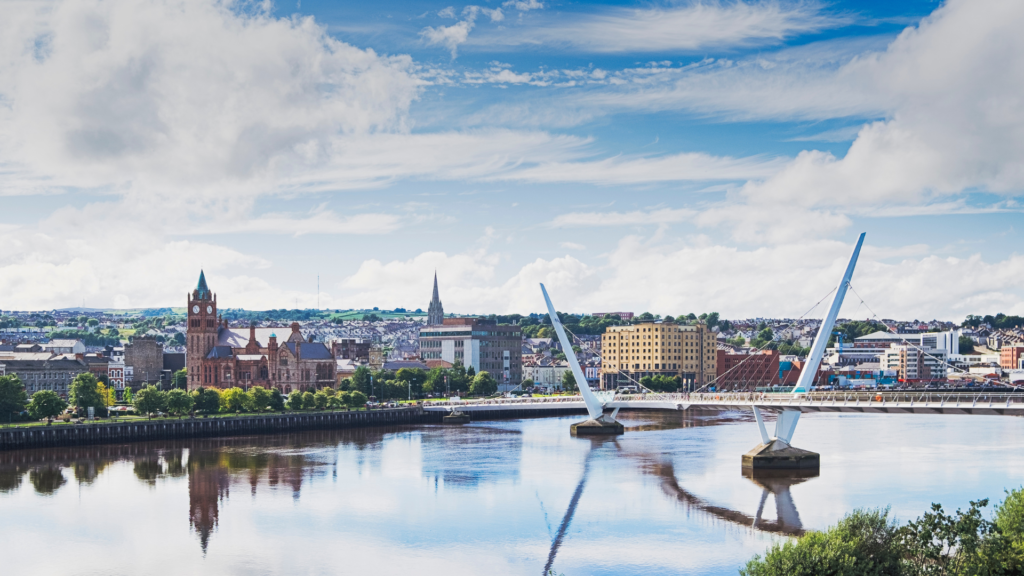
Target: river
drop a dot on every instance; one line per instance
(499, 497)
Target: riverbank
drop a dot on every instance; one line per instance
(17, 438)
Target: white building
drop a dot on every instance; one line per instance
(912, 363)
(60, 347)
(116, 374)
(548, 375)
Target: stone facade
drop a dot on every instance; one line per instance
(145, 356)
(651, 348)
(220, 356)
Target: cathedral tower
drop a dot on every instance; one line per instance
(435, 313)
(202, 332)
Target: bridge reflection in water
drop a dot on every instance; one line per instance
(774, 483)
(458, 458)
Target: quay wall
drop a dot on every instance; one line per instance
(525, 412)
(83, 434)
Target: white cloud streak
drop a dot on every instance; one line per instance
(681, 28)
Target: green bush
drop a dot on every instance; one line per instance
(868, 543)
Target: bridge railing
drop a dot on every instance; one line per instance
(507, 401)
(858, 397)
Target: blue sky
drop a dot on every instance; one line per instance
(664, 156)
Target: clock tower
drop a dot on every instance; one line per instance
(202, 332)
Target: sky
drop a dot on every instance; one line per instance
(670, 157)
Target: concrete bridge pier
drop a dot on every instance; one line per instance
(603, 425)
(775, 453)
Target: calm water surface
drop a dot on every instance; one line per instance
(503, 497)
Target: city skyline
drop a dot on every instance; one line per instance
(723, 160)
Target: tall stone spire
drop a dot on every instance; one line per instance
(435, 312)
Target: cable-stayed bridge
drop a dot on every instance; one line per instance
(775, 451)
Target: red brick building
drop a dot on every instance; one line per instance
(747, 371)
(223, 357)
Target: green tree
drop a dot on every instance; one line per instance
(308, 400)
(413, 379)
(645, 317)
(207, 400)
(46, 404)
(459, 378)
(179, 402)
(276, 400)
(320, 400)
(232, 400)
(92, 322)
(966, 345)
(862, 543)
(84, 392)
(568, 381)
(127, 395)
(939, 543)
(150, 400)
(181, 379)
(712, 319)
(260, 398)
(357, 399)
(12, 397)
(295, 400)
(361, 380)
(483, 384)
(528, 383)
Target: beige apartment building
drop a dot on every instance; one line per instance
(628, 353)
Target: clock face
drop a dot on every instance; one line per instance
(209, 309)
(195, 309)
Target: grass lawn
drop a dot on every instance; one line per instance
(129, 419)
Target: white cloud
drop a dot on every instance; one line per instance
(451, 37)
(698, 275)
(523, 5)
(681, 28)
(622, 170)
(638, 217)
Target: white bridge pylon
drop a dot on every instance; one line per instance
(595, 407)
(787, 420)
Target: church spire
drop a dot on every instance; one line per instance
(202, 290)
(435, 312)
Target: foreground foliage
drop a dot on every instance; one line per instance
(869, 543)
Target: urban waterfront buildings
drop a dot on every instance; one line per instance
(630, 353)
(481, 344)
(222, 357)
(476, 342)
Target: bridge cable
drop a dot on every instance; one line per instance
(774, 339)
(921, 349)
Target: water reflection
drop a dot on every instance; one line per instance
(777, 483)
(666, 498)
(556, 542)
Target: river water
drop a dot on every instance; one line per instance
(500, 497)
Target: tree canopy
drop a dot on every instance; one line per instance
(46, 404)
(84, 392)
(12, 397)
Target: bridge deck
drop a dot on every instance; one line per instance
(837, 401)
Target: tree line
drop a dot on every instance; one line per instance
(418, 383)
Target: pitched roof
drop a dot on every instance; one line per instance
(310, 350)
(239, 337)
(203, 291)
(220, 352)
